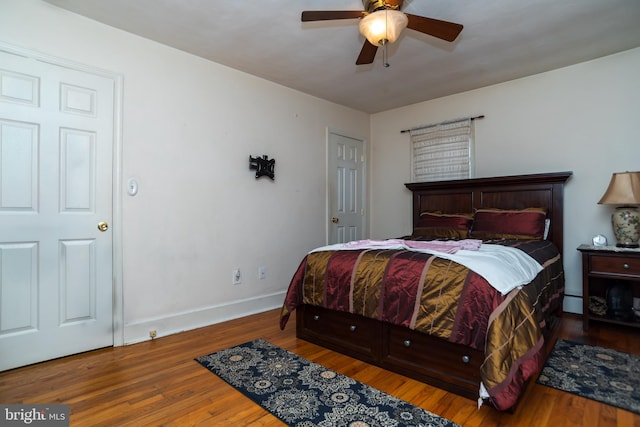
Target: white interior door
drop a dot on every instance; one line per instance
(346, 194)
(56, 274)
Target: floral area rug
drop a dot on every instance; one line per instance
(597, 373)
(304, 394)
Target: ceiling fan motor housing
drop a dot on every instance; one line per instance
(373, 5)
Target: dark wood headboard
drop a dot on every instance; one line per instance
(545, 190)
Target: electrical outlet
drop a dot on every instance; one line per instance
(236, 278)
(262, 273)
(153, 333)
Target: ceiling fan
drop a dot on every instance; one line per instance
(381, 22)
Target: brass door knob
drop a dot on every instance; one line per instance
(103, 226)
(334, 219)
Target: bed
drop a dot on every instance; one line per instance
(424, 311)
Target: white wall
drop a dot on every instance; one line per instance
(189, 127)
(584, 118)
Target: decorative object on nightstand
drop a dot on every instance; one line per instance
(620, 302)
(598, 306)
(624, 191)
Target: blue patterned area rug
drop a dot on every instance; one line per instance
(597, 373)
(304, 394)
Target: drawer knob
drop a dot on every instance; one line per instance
(352, 328)
(625, 266)
(466, 359)
(316, 317)
(407, 343)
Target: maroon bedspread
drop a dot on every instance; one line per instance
(442, 298)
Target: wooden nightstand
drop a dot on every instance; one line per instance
(602, 268)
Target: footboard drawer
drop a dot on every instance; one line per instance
(347, 333)
(433, 359)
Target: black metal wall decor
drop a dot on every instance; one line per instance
(263, 166)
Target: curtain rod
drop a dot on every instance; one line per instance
(443, 123)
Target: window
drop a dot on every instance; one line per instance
(443, 151)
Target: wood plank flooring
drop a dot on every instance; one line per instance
(157, 383)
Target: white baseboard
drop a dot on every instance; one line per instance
(179, 322)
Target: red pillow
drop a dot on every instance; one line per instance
(509, 224)
(435, 225)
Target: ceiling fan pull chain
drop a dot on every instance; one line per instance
(384, 56)
(386, 38)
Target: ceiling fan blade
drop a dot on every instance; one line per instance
(326, 15)
(444, 30)
(367, 54)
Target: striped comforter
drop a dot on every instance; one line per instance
(437, 296)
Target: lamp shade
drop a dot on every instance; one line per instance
(624, 189)
(383, 26)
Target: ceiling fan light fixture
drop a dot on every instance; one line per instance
(383, 26)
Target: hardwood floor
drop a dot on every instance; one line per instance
(157, 383)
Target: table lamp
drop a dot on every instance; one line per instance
(624, 192)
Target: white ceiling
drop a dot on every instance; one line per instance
(502, 40)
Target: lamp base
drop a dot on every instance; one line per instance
(626, 226)
(628, 245)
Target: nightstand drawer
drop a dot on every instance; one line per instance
(627, 266)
